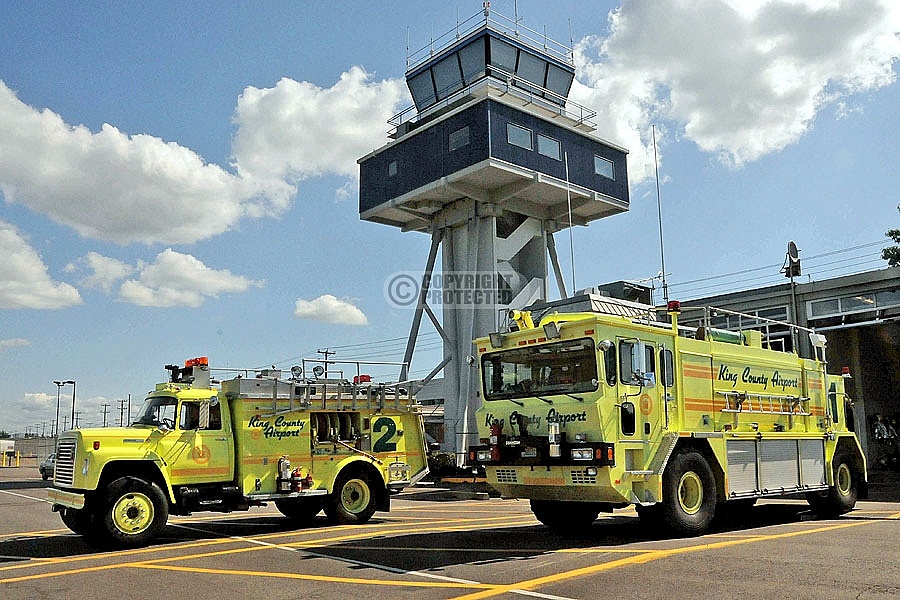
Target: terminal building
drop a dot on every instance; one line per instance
(860, 316)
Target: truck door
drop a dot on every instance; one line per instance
(642, 410)
(203, 450)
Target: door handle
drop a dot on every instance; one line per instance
(221, 439)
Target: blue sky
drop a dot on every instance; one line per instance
(180, 179)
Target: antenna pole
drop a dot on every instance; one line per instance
(571, 225)
(662, 252)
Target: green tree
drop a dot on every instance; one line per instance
(892, 253)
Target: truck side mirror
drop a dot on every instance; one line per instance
(638, 361)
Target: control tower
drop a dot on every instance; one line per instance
(491, 161)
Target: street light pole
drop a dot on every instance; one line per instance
(59, 385)
(58, 388)
(73, 403)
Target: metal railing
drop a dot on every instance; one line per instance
(497, 22)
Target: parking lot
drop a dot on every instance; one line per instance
(433, 545)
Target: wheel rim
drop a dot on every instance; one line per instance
(133, 513)
(690, 493)
(844, 479)
(355, 496)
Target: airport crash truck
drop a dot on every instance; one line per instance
(586, 412)
(200, 445)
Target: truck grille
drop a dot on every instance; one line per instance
(65, 462)
(507, 476)
(582, 478)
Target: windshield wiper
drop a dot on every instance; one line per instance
(545, 400)
(579, 398)
(516, 402)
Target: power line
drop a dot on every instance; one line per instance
(771, 278)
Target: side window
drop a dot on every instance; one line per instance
(666, 367)
(628, 417)
(626, 359)
(190, 416)
(215, 416)
(609, 365)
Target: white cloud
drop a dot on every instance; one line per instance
(105, 271)
(24, 280)
(740, 79)
(176, 279)
(297, 130)
(111, 186)
(331, 310)
(13, 343)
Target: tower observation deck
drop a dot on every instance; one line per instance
(491, 161)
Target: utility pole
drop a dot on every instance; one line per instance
(122, 412)
(65, 423)
(326, 353)
(75, 419)
(105, 410)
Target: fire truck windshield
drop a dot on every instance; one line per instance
(157, 410)
(568, 367)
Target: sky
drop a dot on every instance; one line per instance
(179, 179)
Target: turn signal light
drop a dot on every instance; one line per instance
(96, 444)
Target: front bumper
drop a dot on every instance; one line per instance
(60, 498)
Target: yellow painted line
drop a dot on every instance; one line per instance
(324, 578)
(644, 558)
(367, 533)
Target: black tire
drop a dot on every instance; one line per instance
(689, 495)
(45, 475)
(79, 521)
(565, 517)
(134, 513)
(841, 497)
(300, 510)
(352, 502)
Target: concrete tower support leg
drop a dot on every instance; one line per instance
(490, 263)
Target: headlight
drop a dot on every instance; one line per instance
(483, 456)
(582, 454)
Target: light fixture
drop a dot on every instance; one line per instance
(496, 339)
(318, 371)
(818, 340)
(551, 330)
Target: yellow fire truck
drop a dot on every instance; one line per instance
(586, 412)
(306, 443)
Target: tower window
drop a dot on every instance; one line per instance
(548, 146)
(459, 138)
(519, 136)
(392, 168)
(605, 167)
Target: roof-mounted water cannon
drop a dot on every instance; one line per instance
(195, 372)
(522, 319)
